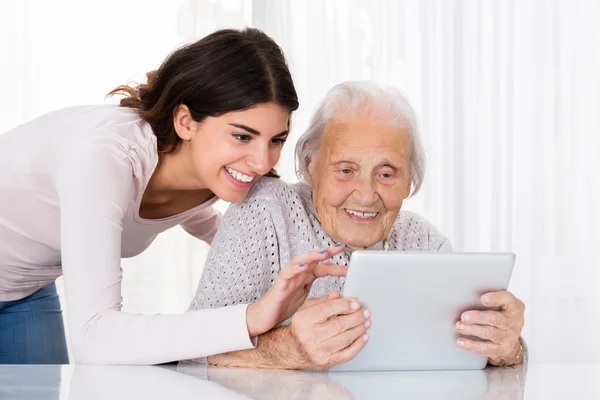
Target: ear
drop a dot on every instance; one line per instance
(184, 124)
(309, 170)
(311, 167)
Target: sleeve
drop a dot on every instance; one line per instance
(445, 246)
(204, 224)
(437, 241)
(243, 261)
(95, 185)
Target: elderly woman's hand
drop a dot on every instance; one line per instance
(328, 331)
(291, 288)
(500, 330)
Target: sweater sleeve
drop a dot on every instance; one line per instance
(438, 242)
(95, 187)
(243, 261)
(433, 239)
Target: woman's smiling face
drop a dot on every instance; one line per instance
(360, 175)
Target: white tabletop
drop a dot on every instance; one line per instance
(80, 382)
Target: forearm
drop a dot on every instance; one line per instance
(135, 339)
(276, 349)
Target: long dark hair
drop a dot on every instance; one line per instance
(228, 70)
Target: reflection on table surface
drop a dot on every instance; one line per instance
(193, 381)
(269, 384)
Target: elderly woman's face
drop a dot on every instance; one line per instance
(360, 176)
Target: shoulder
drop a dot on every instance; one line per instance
(118, 131)
(268, 188)
(271, 201)
(264, 194)
(412, 221)
(275, 193)
(415, 232)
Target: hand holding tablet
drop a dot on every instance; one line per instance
(416, 300)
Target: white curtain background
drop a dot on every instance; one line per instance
(507, 93)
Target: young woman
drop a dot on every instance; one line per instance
(84, 186)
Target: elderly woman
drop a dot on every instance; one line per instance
(359, 160)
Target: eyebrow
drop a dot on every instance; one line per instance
(383, 162)
(257, 133)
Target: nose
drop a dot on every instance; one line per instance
(260, 161)
(366, 192)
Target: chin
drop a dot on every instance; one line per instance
(360, 244)
(229, 190)
(361, 238)
(231, 195)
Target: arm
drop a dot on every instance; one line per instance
(95, 186)
(445, 247)
(437, 241)
(276, 349)
(243, 261)
(242, 265)
(324, 332)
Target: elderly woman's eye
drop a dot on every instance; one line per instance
(346, 171)
(387, 175)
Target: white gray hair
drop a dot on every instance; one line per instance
(362, 98)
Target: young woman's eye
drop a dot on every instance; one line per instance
(278, 141)
(241, 137)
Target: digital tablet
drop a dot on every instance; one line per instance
(415, 299)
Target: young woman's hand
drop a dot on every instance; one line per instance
(291, 289)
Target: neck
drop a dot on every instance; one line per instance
(384, 245)
(173, 175)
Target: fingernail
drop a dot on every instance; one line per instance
(485, 299)
(302, 265)
(461, 343)
(367, 313)
(365, 337)
(367, 324)
(466, 317)
(354, 305)
(338, 244)
(322, 251)
(460, 326)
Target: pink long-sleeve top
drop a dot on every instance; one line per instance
(71, 183)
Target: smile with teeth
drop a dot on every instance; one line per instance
(238, 176)
(359, 214)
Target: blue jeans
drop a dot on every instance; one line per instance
(32, 330)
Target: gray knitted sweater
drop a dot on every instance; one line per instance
(258, 237)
